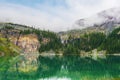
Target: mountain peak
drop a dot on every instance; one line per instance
(102, 19)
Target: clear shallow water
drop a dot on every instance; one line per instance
(71, 68)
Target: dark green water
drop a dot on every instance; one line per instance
(70, 68)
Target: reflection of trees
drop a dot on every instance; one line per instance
(48, 66)
(83, 65)
(112, 64)
(86, 66)
(6, 65)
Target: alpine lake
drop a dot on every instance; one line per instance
(70, 67)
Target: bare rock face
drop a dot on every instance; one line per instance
(28, 43)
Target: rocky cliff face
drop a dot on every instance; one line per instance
(28, 43)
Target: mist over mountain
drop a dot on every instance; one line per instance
(105, 19)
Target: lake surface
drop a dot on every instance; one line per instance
(70, 68)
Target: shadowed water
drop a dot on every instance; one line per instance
(70, 68)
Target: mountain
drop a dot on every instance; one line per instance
(27, 42)
(105, 20)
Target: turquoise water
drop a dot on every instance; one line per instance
(70, 68)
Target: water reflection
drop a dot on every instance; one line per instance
(48, 66)
(78, 68)
(69, 68)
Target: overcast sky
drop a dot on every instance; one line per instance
(55, 15)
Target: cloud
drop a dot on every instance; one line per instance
(57, 16)
(30, 16)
